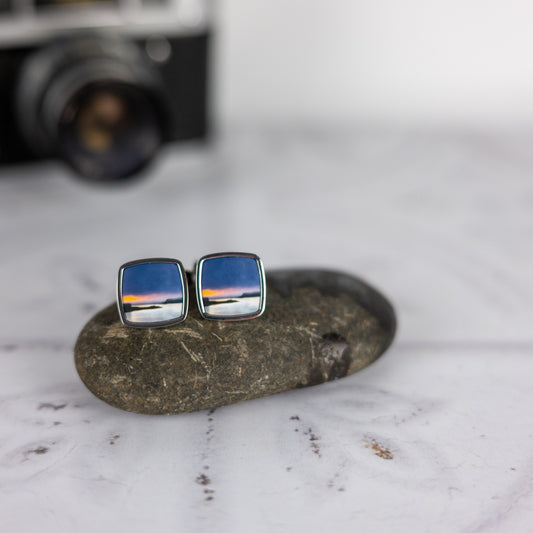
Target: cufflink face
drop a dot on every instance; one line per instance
(152, 293)
(230, 286)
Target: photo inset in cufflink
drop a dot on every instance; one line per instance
(152, 293)
(230, 286)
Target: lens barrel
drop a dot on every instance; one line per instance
(96, 102)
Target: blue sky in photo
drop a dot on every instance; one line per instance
(152, 278)
(238, 274)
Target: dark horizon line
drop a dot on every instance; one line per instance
(155, 305)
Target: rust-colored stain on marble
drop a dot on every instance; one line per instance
(380, 450)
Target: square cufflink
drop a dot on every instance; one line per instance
(152, 293)
(230, 286)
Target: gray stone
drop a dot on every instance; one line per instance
(318, 326)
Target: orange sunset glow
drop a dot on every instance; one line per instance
(146, 298)
(225, 293)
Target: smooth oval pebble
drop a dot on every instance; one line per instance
(318, 326)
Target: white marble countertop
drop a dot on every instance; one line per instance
(437, 435)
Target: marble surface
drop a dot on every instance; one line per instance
(437, 435)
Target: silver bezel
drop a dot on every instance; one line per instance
(198, 283)
(160, 324)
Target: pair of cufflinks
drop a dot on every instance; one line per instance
(154, 292)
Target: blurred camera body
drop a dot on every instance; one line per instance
(100, 83)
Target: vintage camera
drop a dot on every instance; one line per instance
(101, 83)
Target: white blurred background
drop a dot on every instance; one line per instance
(456, 62)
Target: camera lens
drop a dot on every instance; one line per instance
(95, 102)
(108, 131)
